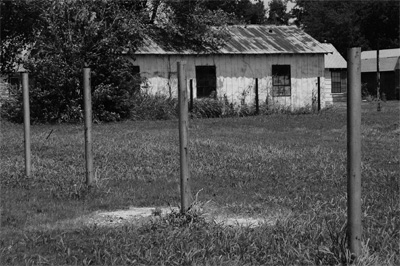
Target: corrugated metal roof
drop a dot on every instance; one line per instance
(335, 59)
(382, 53)
(385, 64)
(254, 39)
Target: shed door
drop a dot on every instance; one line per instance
(206, 79)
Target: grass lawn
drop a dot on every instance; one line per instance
(252, 166)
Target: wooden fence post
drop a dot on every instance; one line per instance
(183, 139)
(27, 123)
(354, 151)
(87, 98)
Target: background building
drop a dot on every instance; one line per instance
(389, 72)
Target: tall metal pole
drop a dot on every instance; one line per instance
(319, 93)
(191, 95)
(378, 81)
(256, 99)
(27, 123)
(354, 151)
(87, 98)
(183, 139)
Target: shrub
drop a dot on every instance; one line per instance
(111, 103)
(207, 108)
(11, 107)
(153, 107)
(114, 103)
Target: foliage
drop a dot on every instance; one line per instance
(70, 35)
(380, 22)
(157, 107)
(241, 11)
(190, 26)
(347, 24)
(277, 13)
(19, 21)
(11, 107)
(288, 168)
(207, 108)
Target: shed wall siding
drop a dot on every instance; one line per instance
(328, 87)
(236, 76)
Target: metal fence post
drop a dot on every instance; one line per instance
(319, 93)
(87, 98)
(183, 139)
(256, 98)
(191, 95)
(27, 123)
(354, 151)
(378, 81)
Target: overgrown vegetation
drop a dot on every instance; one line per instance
(369, 24)
(62, 37)
(111, 104)
(253, 166)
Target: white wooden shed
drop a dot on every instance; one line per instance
(285, 60)
(335, 82)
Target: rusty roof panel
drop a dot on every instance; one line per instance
(255, 39)
(270, 39)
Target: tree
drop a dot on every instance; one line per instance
(74, 34)
(18, 20)
(277, 13)
(240, 11)
(70, 34)
(189, 25)
(347, 23)
(380, 24)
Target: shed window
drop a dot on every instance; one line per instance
(206, 80)
(281, 80)
(339, 81)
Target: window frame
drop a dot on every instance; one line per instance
(211, 90)
(338, 81)
(281, 81)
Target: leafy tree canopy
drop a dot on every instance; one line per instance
(19, 21)
(240, 11)
(62, 36)
(350, 23)
(277, 13)
(107, 26)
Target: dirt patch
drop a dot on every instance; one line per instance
(132, 215)
(139, 216)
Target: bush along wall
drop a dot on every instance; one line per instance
(111, 103)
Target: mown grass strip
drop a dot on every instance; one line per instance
(250, 166)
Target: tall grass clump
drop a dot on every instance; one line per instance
(207, 108)
(213, 108)
(153, 107)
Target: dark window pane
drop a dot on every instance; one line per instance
(206, 80)
(281, 80)
(336, 82)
